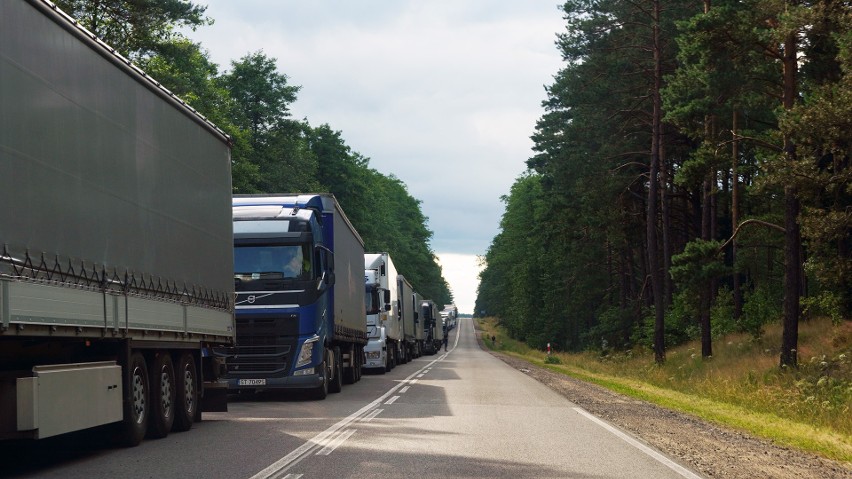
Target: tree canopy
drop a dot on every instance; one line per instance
(691, 175)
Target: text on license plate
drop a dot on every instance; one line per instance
(252, 382)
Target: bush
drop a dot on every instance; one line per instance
(722, 313)
(759, 307)
(551, 359)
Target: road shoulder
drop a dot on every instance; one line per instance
(710, 449)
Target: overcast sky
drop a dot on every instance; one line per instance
(443, 94)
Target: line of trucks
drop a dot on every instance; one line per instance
(135, 290)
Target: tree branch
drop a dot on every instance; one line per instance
(747, 222)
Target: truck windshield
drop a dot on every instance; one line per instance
(272, 261)
(372, 301)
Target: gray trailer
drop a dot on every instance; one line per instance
(407, 309)
(115, 227)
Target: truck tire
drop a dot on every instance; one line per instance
(336, 383)
(321, 392)
(349, 375)
(186, 393)
(131, 430)
(162, 395)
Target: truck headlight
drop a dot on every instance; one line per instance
(373, 354)
(306, 353)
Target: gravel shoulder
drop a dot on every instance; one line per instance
(712, 450)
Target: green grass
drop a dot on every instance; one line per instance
(741, 386)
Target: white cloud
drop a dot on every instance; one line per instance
(462, 273)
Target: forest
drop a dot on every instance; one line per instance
(690, 178)
(271, 151)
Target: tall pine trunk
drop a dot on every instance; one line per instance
(792, 234)
(735, 216)
(653, 197)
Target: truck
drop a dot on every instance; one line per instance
(407, 312)
(115, 229)
(384, 325)
(433, 326)
(419, 330)
(450, 314)
(298, 275)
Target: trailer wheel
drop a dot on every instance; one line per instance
(162, 395)
(322, 390)
(336, 383)
(186, 393)
(349, 375)
(131, 430)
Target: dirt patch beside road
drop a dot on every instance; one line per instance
(712, 450)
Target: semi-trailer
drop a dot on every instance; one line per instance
(298, 273)
(432, 325)
(384, 326)
(419, 329)
(407, 311)
(116, 272)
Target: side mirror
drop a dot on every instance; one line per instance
(387, 298)
(387, 307)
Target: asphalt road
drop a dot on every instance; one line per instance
(461, 413)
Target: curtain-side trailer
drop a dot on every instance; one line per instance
(115, 229)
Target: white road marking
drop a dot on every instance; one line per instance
(684, 472)
(280, 466)
(369, 417)
(336, 443)
(420, 375)
(404, 390)
(392, 400)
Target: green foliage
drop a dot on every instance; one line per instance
(762, 306)
(697, 264)
(722, 320)
(136, 29)
(682, 319)
(582, 279)
(825, 304)
(551, 359)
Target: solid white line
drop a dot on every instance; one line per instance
(404, 390)
(292, 476)
(369, 417)
(392, 400)
(684, 472)
(297, 454)
(336, 443)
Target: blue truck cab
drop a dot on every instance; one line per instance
(299, 309)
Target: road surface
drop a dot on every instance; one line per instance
(457, 414)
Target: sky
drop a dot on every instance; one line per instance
(442, 94)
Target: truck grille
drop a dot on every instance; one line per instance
(265, 346)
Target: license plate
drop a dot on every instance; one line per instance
(252, 382)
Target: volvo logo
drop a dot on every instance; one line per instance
(251, 299)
